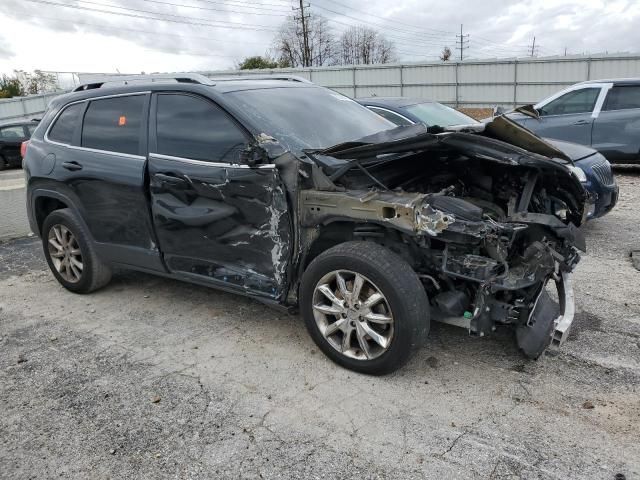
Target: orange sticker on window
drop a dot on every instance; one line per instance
(122, 121)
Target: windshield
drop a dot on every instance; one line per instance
(437, 114)
(308, 117)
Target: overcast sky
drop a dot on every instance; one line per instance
(81, 36)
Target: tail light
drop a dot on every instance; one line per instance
(23, 148)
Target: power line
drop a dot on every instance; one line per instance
(242, 3)
(377, 25)
(419, 27)
(152, 12)
(117, 29)
(408, 40)
(228, 25)
(211, 9)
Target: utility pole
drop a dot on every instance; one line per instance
(306, 51)
(533, 52)
(462, 42)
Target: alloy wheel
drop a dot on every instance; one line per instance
(353, 315)
(65, 253)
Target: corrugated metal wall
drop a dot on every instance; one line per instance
(20, 108)
(468, 84)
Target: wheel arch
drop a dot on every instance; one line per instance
(338, 231)
(43, 201)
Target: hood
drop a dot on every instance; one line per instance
(517, 116)
(500, 140)
(574, 151)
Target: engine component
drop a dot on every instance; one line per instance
(472, 267)
(457, 206)
(452, 302)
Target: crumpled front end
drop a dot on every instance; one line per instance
(485, 273)
(490, 228)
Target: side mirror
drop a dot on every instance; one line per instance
(497, 111)
(253, 155)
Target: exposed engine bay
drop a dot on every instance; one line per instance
(486, 225)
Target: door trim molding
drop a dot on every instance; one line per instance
(161, 156)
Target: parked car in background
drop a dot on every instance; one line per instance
(602, 114)
(594, 171)
(11, 137)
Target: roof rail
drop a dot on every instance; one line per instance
(290, 78)
(112, 80)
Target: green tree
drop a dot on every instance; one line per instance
(10, 87)
(257, 62)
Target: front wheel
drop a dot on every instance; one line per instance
(364, 307)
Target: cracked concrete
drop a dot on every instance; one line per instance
(244, 393)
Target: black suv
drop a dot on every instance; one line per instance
(12, 135)
(300, 197)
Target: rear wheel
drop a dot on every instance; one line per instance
(71, 255)
(3, 163)
(365, 307)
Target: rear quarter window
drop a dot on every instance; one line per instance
(114, 124)
(623, 98)
(65, 124)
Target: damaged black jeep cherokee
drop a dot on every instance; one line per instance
(300, 197)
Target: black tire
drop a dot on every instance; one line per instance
(533, 340)
(95, 273)
(395, 279)
(3, 163)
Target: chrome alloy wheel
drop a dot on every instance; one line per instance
(353, 315)
(65, 253)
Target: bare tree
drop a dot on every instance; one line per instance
(445, 56)
(364, 45)
(37, 81)
(289, 43)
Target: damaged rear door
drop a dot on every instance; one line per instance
(217, 219)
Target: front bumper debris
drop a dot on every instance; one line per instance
(562, 324)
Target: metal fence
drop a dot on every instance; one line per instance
(21, 108)
(484, 83)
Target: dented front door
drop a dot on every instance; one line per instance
(228, 224)
(216, 219)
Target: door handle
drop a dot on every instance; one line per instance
(582, 122)
(72, 166)
(169, 179)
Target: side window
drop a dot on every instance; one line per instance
(392, 117)
(192, 127)
(114, 124)
(62, 130)
(577, 101)
(623, 98)
(12, 133)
